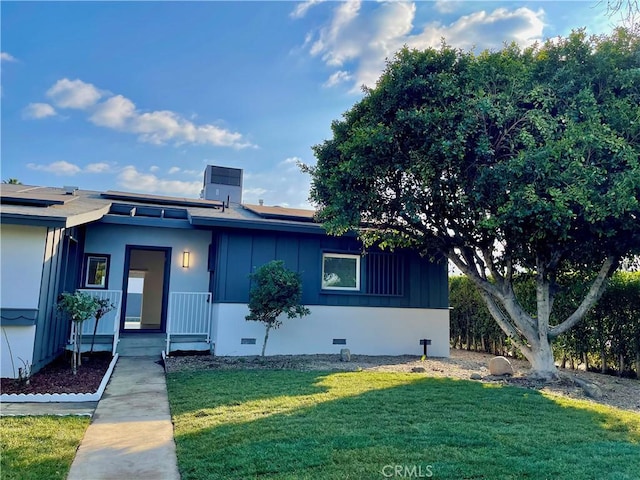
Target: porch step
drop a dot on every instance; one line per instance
(141, 344)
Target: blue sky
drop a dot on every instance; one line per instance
(141, 96)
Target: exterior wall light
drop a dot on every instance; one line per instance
(185, 259)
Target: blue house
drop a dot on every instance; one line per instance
(177, 270)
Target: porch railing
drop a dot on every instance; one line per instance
(189, 314)
(110, 323)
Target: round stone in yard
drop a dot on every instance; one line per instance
(500, 366)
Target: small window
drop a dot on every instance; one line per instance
(340, 271)
(96, 271)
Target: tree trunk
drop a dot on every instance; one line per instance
(603, 354)
(266, 337)
(79, 344)
(95, 329)
(585, 360)
(542, 362)
(620, 364)
(532, 335)
(468, 336)
(74, 353)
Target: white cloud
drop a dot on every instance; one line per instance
(291, 161)
(154, 168)
(38, 110)
(447, 6)
(7, 57)
(336, 78)
(253, 192)
(158, 127)
(131, 179)
(303, 7)
(359, 42)
(333, 44)
(57, 168)
(100, 167)
(161, 126)
(67, 93)
(114, 112)
(478, 30)
(173, 170)
(63, 167)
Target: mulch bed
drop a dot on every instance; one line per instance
(57, 377)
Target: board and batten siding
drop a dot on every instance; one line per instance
(240, 253)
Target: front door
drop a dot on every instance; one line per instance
(146, 283)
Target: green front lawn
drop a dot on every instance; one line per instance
(39, 447)
(368, 425)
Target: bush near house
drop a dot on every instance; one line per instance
(607, 340)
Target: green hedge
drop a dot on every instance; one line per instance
(607, 339)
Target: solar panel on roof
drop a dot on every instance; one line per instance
(163, 200)
(35, 199)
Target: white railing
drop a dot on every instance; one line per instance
(189, 313)
(110, 323)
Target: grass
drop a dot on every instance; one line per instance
(39, 447)
(368, 425)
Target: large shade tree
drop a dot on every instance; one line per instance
(520, 159)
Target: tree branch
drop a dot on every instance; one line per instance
(504, 323)
(595, 292)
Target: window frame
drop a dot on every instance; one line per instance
(88, 257)
(358, 259)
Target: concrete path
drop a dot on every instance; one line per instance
(131, 434)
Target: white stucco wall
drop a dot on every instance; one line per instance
(21, 256)
(19, 342)
(368, 331)
(112, 239)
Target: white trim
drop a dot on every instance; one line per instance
(100, 259)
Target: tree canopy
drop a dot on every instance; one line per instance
(515, 159)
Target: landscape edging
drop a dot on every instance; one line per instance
(62, 397)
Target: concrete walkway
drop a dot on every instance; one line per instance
(131, 434)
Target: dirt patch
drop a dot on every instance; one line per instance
(57, 377)
(622, 393)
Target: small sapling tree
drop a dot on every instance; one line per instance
(79, 306)
(276, 290)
